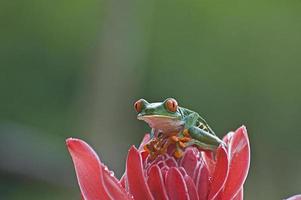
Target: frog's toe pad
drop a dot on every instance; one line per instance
(178, 153)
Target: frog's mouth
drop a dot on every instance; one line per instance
(162, 122)
(143, 117)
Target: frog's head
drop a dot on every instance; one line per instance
(161, 115)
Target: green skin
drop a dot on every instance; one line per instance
(163, 121)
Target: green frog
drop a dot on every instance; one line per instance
(172, 124)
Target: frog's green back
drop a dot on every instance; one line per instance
(185, 112)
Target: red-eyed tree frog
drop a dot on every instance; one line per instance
(172, 124)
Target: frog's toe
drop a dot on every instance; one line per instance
(185, 139)
(174, 138)
(178, 153)
(182, 144)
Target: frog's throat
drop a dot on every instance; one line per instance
(164, 123)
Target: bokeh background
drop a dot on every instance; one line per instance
(74, 68)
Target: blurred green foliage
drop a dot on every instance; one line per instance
(75, 68)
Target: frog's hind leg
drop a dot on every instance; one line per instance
(202, 138)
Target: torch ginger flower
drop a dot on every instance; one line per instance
(197, 175)
(296, 197)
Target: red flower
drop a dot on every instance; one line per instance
(197, 175)
(296, 197)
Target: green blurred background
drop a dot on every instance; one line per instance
(74, 68)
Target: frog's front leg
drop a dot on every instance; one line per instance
(202, 139)
(152, 133)
(153, 141)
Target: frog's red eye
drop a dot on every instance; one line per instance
(171, 105)
(138, 105)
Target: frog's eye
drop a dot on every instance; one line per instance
(171, 105)
(138, 105)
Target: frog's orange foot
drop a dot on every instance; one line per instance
(178, 153)
(174, 138)
(159, 146)
(184, 139)
(182, 144)
(150, 146)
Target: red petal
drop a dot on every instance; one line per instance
(203, 182)
(171, 162)
(239, 159)
(95, 183)
(135, 176)
(208, 159)
(155, 183)
(123, 180)
(220, 172)
(189, 162)
(239, 195)
(296, 197)
(227, 137)
(115, 190)
(193, 195)
(182, 171)
(175, 185)
(144, 155)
